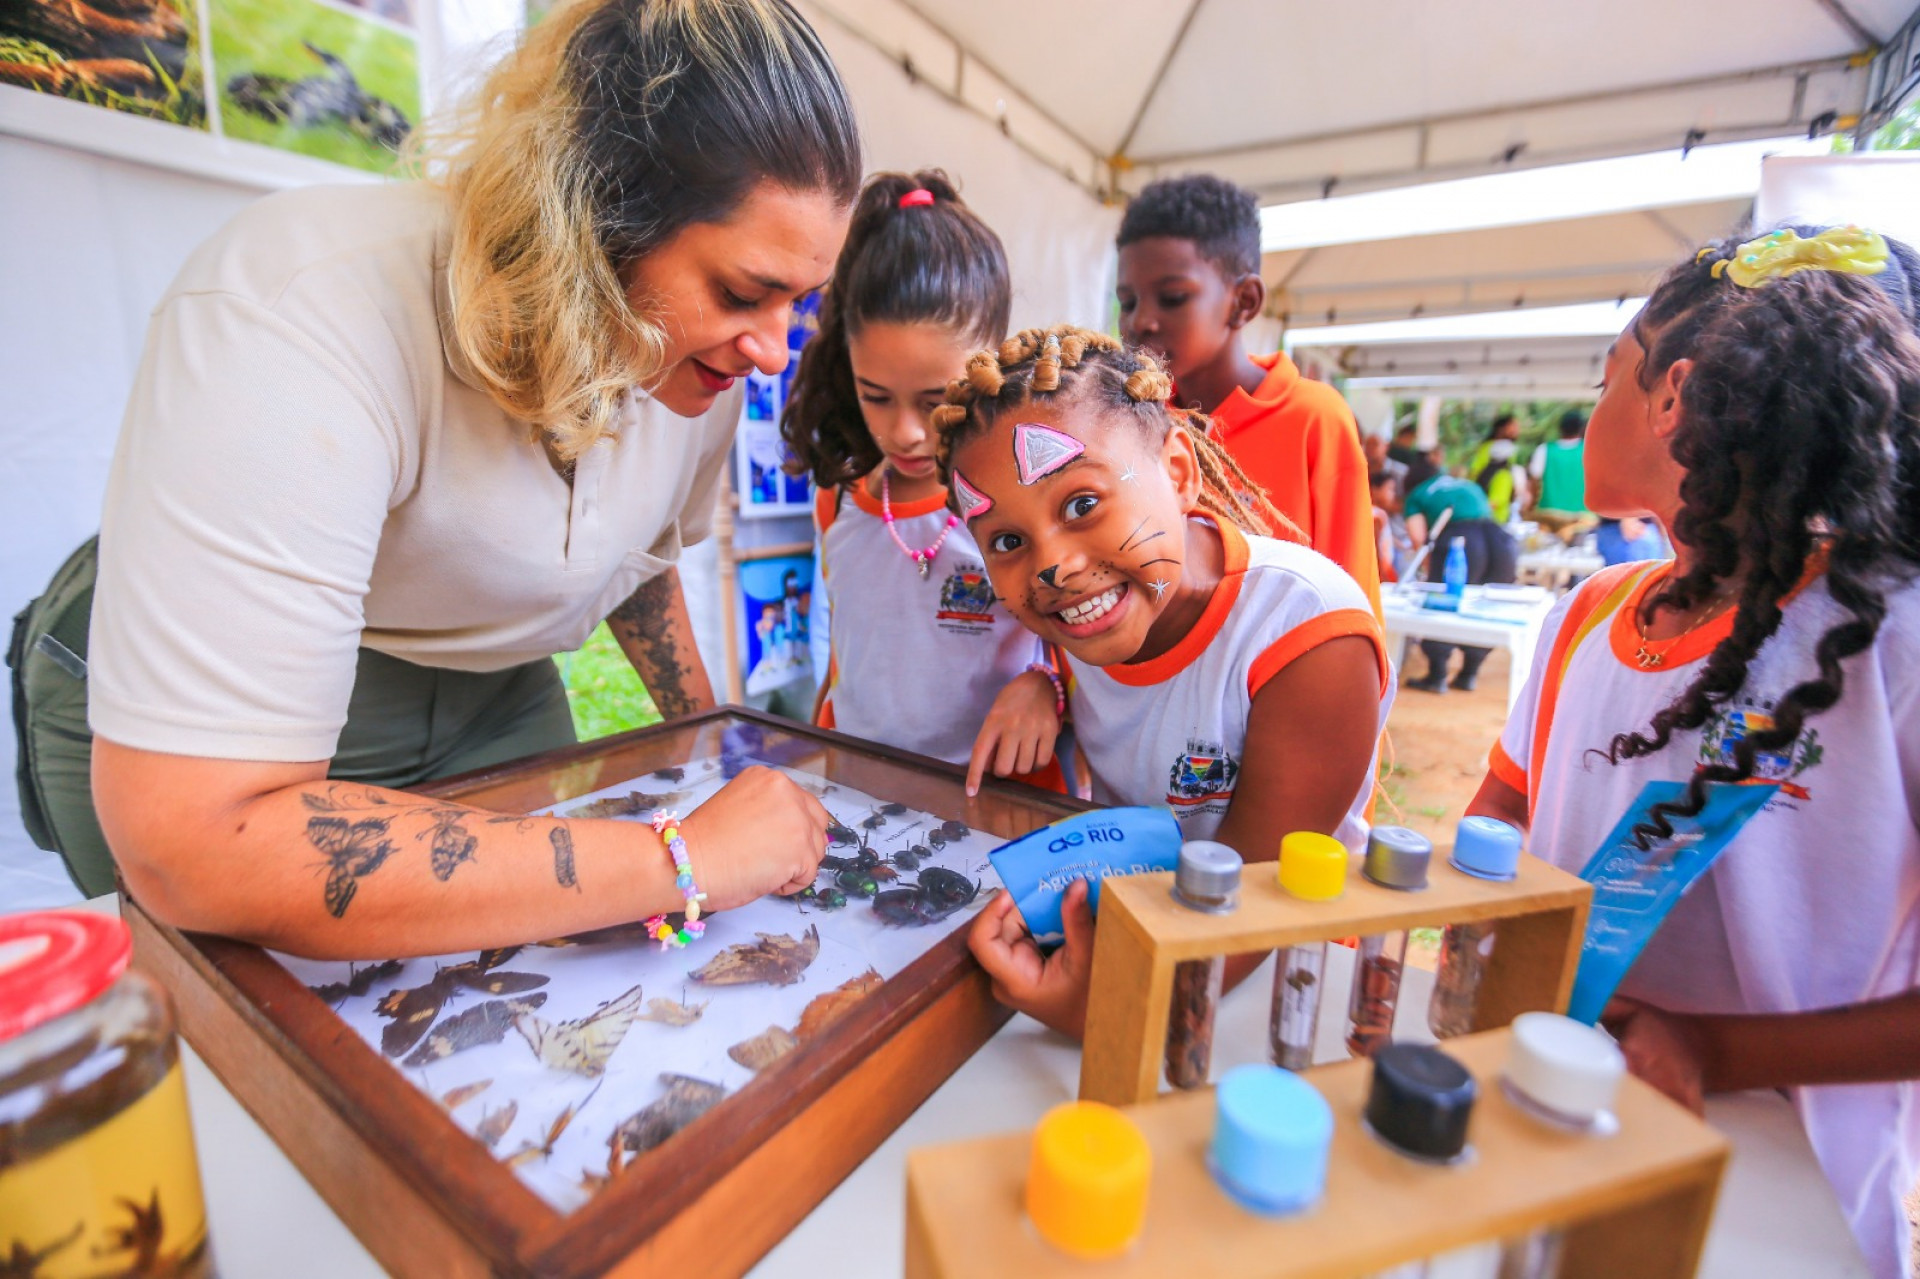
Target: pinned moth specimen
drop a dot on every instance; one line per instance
(669, 1012)
(828, 1008)
(686, 1100)
(765, 1048)
(632, 804)
(359, 981)
(544, 1150)
(486, 1023)
(584, 1044)
(776, 959)
(494, 1124)
(412, 1011)
(465, 1093)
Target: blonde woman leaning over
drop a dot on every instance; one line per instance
(390, 448)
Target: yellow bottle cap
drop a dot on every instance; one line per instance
(1087, 1181)
(1313, 867)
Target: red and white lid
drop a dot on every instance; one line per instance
(54, 961)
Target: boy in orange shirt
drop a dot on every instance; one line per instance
(1189, 282)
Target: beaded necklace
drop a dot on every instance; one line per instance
(923, 558)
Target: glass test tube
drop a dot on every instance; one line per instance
(1534, 1256)
(1298, 974)
(1377, 966)
(1206, 879)
(1465, 950)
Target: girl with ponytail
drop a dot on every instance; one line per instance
(924, 657)
(1765, 406)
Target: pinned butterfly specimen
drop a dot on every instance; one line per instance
(613, 934)
(835, 1004)
(583, 1045)
(486, 1023)
(686, 1100)
(494, 1124)
(465, 1093)
(359, 981)
(353, 850)
(670, 1013)
(452, 843)
(765, 1048)
(544, 1150)
(412, 1011)
(776, 959)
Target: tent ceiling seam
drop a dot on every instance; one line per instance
(1460, 117)
(1854, 27)
(1153, 86)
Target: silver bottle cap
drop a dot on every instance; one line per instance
(1207, 876)
(1397, 857)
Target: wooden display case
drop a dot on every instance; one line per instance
(428, 1199)
(1637, 1203)
(1142, 933)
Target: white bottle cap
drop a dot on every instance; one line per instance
(1567, 1068)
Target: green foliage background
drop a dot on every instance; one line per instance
(602, 690)
(264, 36)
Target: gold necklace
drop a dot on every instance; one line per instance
(1648, 659)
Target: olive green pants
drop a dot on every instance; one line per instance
(406, 724)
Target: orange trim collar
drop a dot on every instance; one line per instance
(1624, 635)
(901, 510)
(1158, 670)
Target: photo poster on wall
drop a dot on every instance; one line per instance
(141, 57)
(337, 81)
(760, 455)
(776, 601)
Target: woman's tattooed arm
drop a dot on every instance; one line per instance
(654, 629)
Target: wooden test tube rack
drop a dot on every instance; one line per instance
(1636, 1203)
(1142, 934)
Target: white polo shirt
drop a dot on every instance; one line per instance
(303, 470)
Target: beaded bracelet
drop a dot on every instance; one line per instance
(667, 826)
(1059, 689)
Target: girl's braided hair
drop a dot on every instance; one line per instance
(1071, 365)
(1799, 431)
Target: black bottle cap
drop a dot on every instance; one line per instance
(1420, 1101)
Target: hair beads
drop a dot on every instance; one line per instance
(1095, 371)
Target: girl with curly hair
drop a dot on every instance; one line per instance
(1238, 679)
(1765, 405)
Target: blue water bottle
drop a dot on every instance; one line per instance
(1455, 577)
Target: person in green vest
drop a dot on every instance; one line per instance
(1559, 467)
(1493, 468)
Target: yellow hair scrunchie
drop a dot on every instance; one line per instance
(1850, 250)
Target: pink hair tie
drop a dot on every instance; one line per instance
(918, 198)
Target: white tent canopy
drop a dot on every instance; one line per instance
(1295, 100)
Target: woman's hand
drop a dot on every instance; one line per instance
(1019, 731)
(1052, 989)
(1664, 1049)
(760, 834)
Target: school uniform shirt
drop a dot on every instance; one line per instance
(1173, 730)
(1816, 901)
(917, 661)
(307, 466)
(1296, 438)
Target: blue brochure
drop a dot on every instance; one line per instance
(1037, 867)
(1633, 889)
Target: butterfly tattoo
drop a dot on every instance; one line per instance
(353, 850)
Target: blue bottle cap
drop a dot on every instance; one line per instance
(1397, 857)
(1271, 1132)
(1487, 848)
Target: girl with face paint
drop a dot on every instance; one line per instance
(925, 658)
(1238, 679)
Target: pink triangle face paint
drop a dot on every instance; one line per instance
(1040, 450)
(972, 501)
